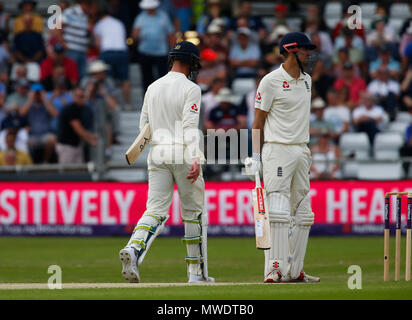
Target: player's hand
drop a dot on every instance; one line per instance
(252, 166)
(194, 170)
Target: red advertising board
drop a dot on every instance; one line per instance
(228, 203)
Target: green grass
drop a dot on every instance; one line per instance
(26, 260)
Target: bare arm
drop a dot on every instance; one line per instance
(257, 130)
(83, 133)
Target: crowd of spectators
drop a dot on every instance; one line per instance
(52, 83)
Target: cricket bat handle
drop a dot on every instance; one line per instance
(257, 179)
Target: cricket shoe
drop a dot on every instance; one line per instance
(274, 276)
(130, 271)
(304, 278)
(194, 278)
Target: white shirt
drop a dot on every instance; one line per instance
(375, 112)
(381, 88)
(172, 106)
(337, 115)
(287, 102)
(112, 34)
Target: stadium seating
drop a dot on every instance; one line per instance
(398, 127)
(386, 146)
(243, 86)
(356, 146)
(380, 171)
(332, 14)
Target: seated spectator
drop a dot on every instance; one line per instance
(39, 112)
(209, 99)
(337, 114)
(356, 85)
(386, 90)
(71, 131)
(110, 38)
(368, 117)
(353, 43)
(406, 150)
(324, 158)
(15, 121)
(211, 68)
(244, 57)
(154, 33)
(19, 72)
(225, 115)
(255, 23)
(58, 58)
(382, 34)
(317, 122)
(406, 87)
(12, 156)
(385, 59)
(27, 8)
(99, 90)
(339, 61)
(59, 97)
(313, 15)
(28, 45)
(212, 16)
(322, 79)
(213, 41)
(16, 100)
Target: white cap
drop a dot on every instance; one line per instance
(214, 28)
(318, 103)
(97, 66)
(224, 95)
(245, 31)
(149, 4)
(280, 30)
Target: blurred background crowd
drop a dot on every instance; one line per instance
(67, 92)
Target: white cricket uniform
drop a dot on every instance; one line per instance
(286, 158)
(172, 106)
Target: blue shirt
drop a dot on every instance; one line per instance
(252, 52)
(154, 31)
(58, 104)
(393, 65)
(408, 135)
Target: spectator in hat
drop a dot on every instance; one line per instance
(355, 85)
(214, 16)
(12, 156)
(225, 115)
(28, 45)
(16, 100)
(154, 33)
(325, 156)
(254, 23)
(110, 38)
(57, 58)
(385, 59)
(99, 88)
(75, 35)
(39, 112)
(368, 117)
(317, 121)
(386, 90)
(27, 8)
(211, 68)
(71, 131)
(244, 57)
(15, 121)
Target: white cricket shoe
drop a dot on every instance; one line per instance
(129, 262)
(194, 278)
(305, 278)
(273, 276)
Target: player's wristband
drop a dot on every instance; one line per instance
(256, 156)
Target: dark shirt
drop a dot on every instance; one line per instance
(28, 43)
(224, 119)
(13, 120)
(66, 133)
(39, 119)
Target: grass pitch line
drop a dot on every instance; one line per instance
(30, 286)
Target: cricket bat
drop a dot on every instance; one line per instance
(262, 226)
(138, 145)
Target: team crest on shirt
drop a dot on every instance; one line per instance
(194, 108)
(286, 86)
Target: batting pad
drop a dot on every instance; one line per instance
(299, 241)
(146, 230)
(193, 241)
(277, 256)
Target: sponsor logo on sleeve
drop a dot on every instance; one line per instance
(194, 108)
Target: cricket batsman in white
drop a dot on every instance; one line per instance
(171, 107)
(282, 111)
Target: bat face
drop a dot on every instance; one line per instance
(138, 145)
(262, 226)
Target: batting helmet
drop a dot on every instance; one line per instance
(295, 40)
(185, 52)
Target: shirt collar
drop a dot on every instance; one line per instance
(177, 74)
(288, 76)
